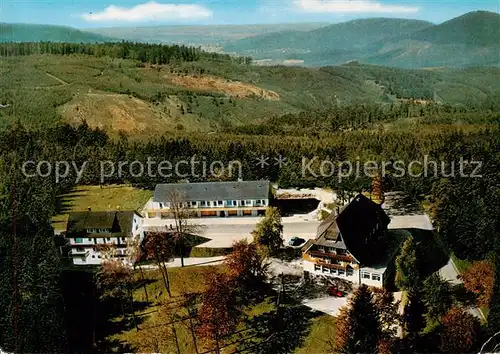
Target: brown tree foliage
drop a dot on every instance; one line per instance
(480, 280)
(388, 309)
(219, 313)
(247, 266)
(459, 331)
(158, 247)
(115, 279)
(378, 188)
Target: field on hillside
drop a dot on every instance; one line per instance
(143, 100)
(110, 197)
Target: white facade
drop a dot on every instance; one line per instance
(84, 250)
(232, 207)
(363, 275)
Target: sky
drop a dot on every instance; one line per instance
(123, 13)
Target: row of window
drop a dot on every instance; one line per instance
(374, 276)
(80, 240)
(338, 251)
(98, 231)
(347, 272)
(220, 203)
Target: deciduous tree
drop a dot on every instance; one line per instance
(219, 313)
(159, 248)
(247, 268)
(268, 233)
(184, 228)
(407, 276)
(480, 280)
(459, 331)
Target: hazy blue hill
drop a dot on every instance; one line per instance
(468, 40)
(18, 32)
(479, 28)
(211, 35)
(346, 36)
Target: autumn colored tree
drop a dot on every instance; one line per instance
(407, 276)
(378, 188)
(358, 325)
(388, 310)
(219, 313)
(479, 279)
(459, 331)
(268, 233)
(437, 296)
(115, 280)
(247, 268)
(158, 247)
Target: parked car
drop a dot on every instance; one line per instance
(296, 241)
(333, 291)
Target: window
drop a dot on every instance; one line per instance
(136, 227)
(123, 239)
(89, 239)
(80, 249)
(93, 256)
(350, 271)
(78, 240)
(341, 272)
(317, 267)
(242, 202)
(376, 277)
(108, 239)
(365, 275)
(161, 205)
(203, 203)
(219, 202)
(333, 271)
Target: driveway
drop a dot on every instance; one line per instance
(329, 304)
(223, 232)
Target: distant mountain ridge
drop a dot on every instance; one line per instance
(470, 39)
(20, 32)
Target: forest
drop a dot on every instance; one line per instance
(466, 211)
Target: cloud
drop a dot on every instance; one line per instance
(346, 6)
(150, 11)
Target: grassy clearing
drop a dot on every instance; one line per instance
(322, 331)
(461, 264)
(191, 280)
(111, 197)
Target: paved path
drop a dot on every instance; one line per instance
(189, 262)
(450, 273)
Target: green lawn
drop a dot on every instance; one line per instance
(461, 264)
(191, 279)
(322, 331)
(111, 197)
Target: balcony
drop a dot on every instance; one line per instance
(335, 256)
(77, 253)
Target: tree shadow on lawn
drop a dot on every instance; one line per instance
(430, 252)
(279, 331)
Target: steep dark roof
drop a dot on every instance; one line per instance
(213, 190)
(352, 229)
(356, 224)
(119, 222)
